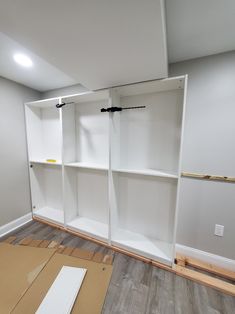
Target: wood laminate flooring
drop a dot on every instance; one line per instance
(137, 287)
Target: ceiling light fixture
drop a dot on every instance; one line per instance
(23, 60)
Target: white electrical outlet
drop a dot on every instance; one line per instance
(219, 230)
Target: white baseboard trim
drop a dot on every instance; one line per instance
(11, 226)
(206, 257)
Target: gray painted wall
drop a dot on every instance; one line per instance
(70, 90)
(209, 147)
(14, 182)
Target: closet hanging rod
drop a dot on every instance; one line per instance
(114, 109)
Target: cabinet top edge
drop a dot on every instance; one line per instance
(170, 83)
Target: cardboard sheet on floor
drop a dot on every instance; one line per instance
(91, 295)
(19, 266)
(62, 294)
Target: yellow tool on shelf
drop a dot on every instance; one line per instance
(51, 160)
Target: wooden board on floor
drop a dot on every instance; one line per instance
(210, 268)
(209, 281)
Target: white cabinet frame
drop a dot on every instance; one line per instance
(117, 175)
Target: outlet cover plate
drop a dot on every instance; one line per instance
(219, 230)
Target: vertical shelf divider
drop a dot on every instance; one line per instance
(113, 207)
(180, 166)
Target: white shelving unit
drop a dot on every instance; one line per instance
(44, 136)
(86, 158)
(145, 167)
(140, 244)
(116, 177)
(46, 190)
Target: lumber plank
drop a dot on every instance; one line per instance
(208, 177)
(180, 260)
(86, 237)
(229, 274)
(209, 281)
(44, 221)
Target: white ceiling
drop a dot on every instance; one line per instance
(97, 43)
(197, 28)
(42, 76)
(109, 42)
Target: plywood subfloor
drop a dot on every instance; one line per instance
(140, 288)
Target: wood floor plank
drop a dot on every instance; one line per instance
(53, 245)
(108, 259)
(35, 243)
(25, 241)
(60, 249)
(98, 257)
(68, 250)
(84, 254)
(44, 243)
(10, 240)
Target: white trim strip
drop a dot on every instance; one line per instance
(63, 292)
(15, 224)
(217, 260)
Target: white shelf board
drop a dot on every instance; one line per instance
(148, 172)
(90, 227)
(140, 244)
(44, 162)
(51, 214)
(86, 165)
(56, 300)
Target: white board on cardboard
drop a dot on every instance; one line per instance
(62, 294)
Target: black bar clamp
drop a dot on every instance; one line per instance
(60, 105)
(114, 109)
(63, 104)
(111, 109)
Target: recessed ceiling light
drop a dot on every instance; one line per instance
(23, 60)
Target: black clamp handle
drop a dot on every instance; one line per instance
(111, 109)
(114, 109)
(60, 105)
(63, 104)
